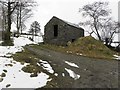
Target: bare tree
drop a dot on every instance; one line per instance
(11, 6)
(0, 17)
(109, 29)
(34, 29)
(3, 20)
(22, 7)
(97, 12)
(22, 13)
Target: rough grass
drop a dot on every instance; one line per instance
(31, 60)
(32, 68)
(85, 46)
(88, 46)
(25, 57)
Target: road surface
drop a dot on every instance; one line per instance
(94, 73)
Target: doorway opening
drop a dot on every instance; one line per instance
(55, 30)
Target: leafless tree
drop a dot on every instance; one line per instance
(34, 29)
(22, 13)
(96, 12)
(23, 9)
(109, 29)
(0, 17)
(3, 19)
(11, 6)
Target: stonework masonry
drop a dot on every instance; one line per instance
(60, 32)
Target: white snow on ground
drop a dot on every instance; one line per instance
(37, 39)
(19, 79)
(116, 57)
(46, 66)
(22, 41)
(72, 74)
(72, 64)
(18, 43)
(14, 75)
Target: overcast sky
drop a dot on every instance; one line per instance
(65, 9)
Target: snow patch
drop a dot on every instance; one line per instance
(18, 43)
(72, 24)
(22, 41)
(116, 57)
(15, 76)
(79, 54)
(46, 66)
(56, 74)
(63, 74)
(37, 39)
(72, 74)
(72, 64)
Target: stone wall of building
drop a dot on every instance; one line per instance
(66, 32)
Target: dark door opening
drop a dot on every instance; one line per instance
(55, 30)
(73, 40)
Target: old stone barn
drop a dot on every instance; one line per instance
(59, 32)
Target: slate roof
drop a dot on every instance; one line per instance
(69, 23)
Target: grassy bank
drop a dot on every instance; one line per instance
(86, 46)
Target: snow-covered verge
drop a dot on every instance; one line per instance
(16, 78)
(11, 75)
(37, 39)
(18, 43)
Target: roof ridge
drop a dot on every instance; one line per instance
(72, 24)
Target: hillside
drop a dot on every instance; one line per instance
(89, 46)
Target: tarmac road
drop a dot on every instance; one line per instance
(94, 73)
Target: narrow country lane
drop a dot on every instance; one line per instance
(88, 72)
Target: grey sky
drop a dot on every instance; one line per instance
(66, 10)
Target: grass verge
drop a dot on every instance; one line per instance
(31, 59)
(86, 46)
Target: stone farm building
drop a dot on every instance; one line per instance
(59, 32)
